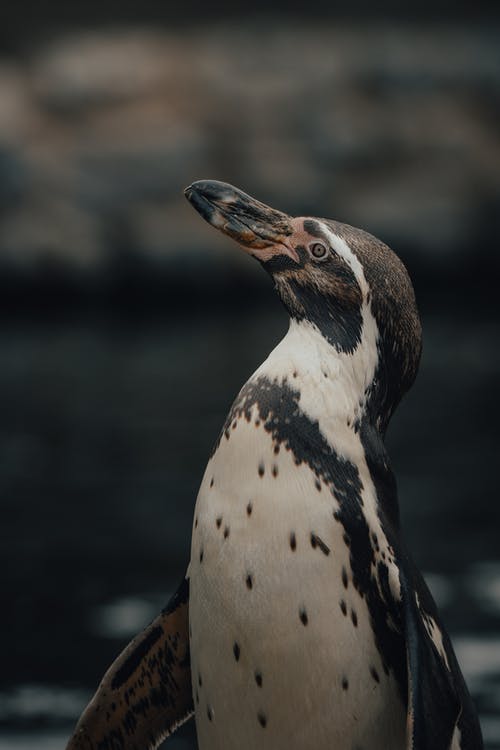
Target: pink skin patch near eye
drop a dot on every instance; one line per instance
(286, 245)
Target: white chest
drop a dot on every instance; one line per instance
(283, 654)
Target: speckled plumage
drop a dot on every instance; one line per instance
(309, 625)
(302, 625)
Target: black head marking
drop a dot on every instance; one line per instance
(328, 295)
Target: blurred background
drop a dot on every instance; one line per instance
(128, 325)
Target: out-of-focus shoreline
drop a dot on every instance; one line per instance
(393, 128)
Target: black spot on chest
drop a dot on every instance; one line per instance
(316, 541)
(345, 580)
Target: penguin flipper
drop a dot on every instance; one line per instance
(441, 715)
(146, 693)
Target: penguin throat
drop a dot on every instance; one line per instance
(334, 385)
(333, 304)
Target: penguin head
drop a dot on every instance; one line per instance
(345, 283)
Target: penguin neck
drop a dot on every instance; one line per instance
(334, 392)
(333, 385)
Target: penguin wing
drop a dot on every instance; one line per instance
(146, 693)
(441, 715)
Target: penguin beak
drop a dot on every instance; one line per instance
(262, 231)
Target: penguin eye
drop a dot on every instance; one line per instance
(318, 250)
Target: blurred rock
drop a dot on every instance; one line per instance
(51, 230)
(391, 128)
(77, 72)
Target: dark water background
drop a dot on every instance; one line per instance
(105, 431)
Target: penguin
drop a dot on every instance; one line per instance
(302, 621)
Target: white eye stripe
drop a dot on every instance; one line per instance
(340, 246)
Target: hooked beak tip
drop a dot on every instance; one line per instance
(255, 226)
(212, 198)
